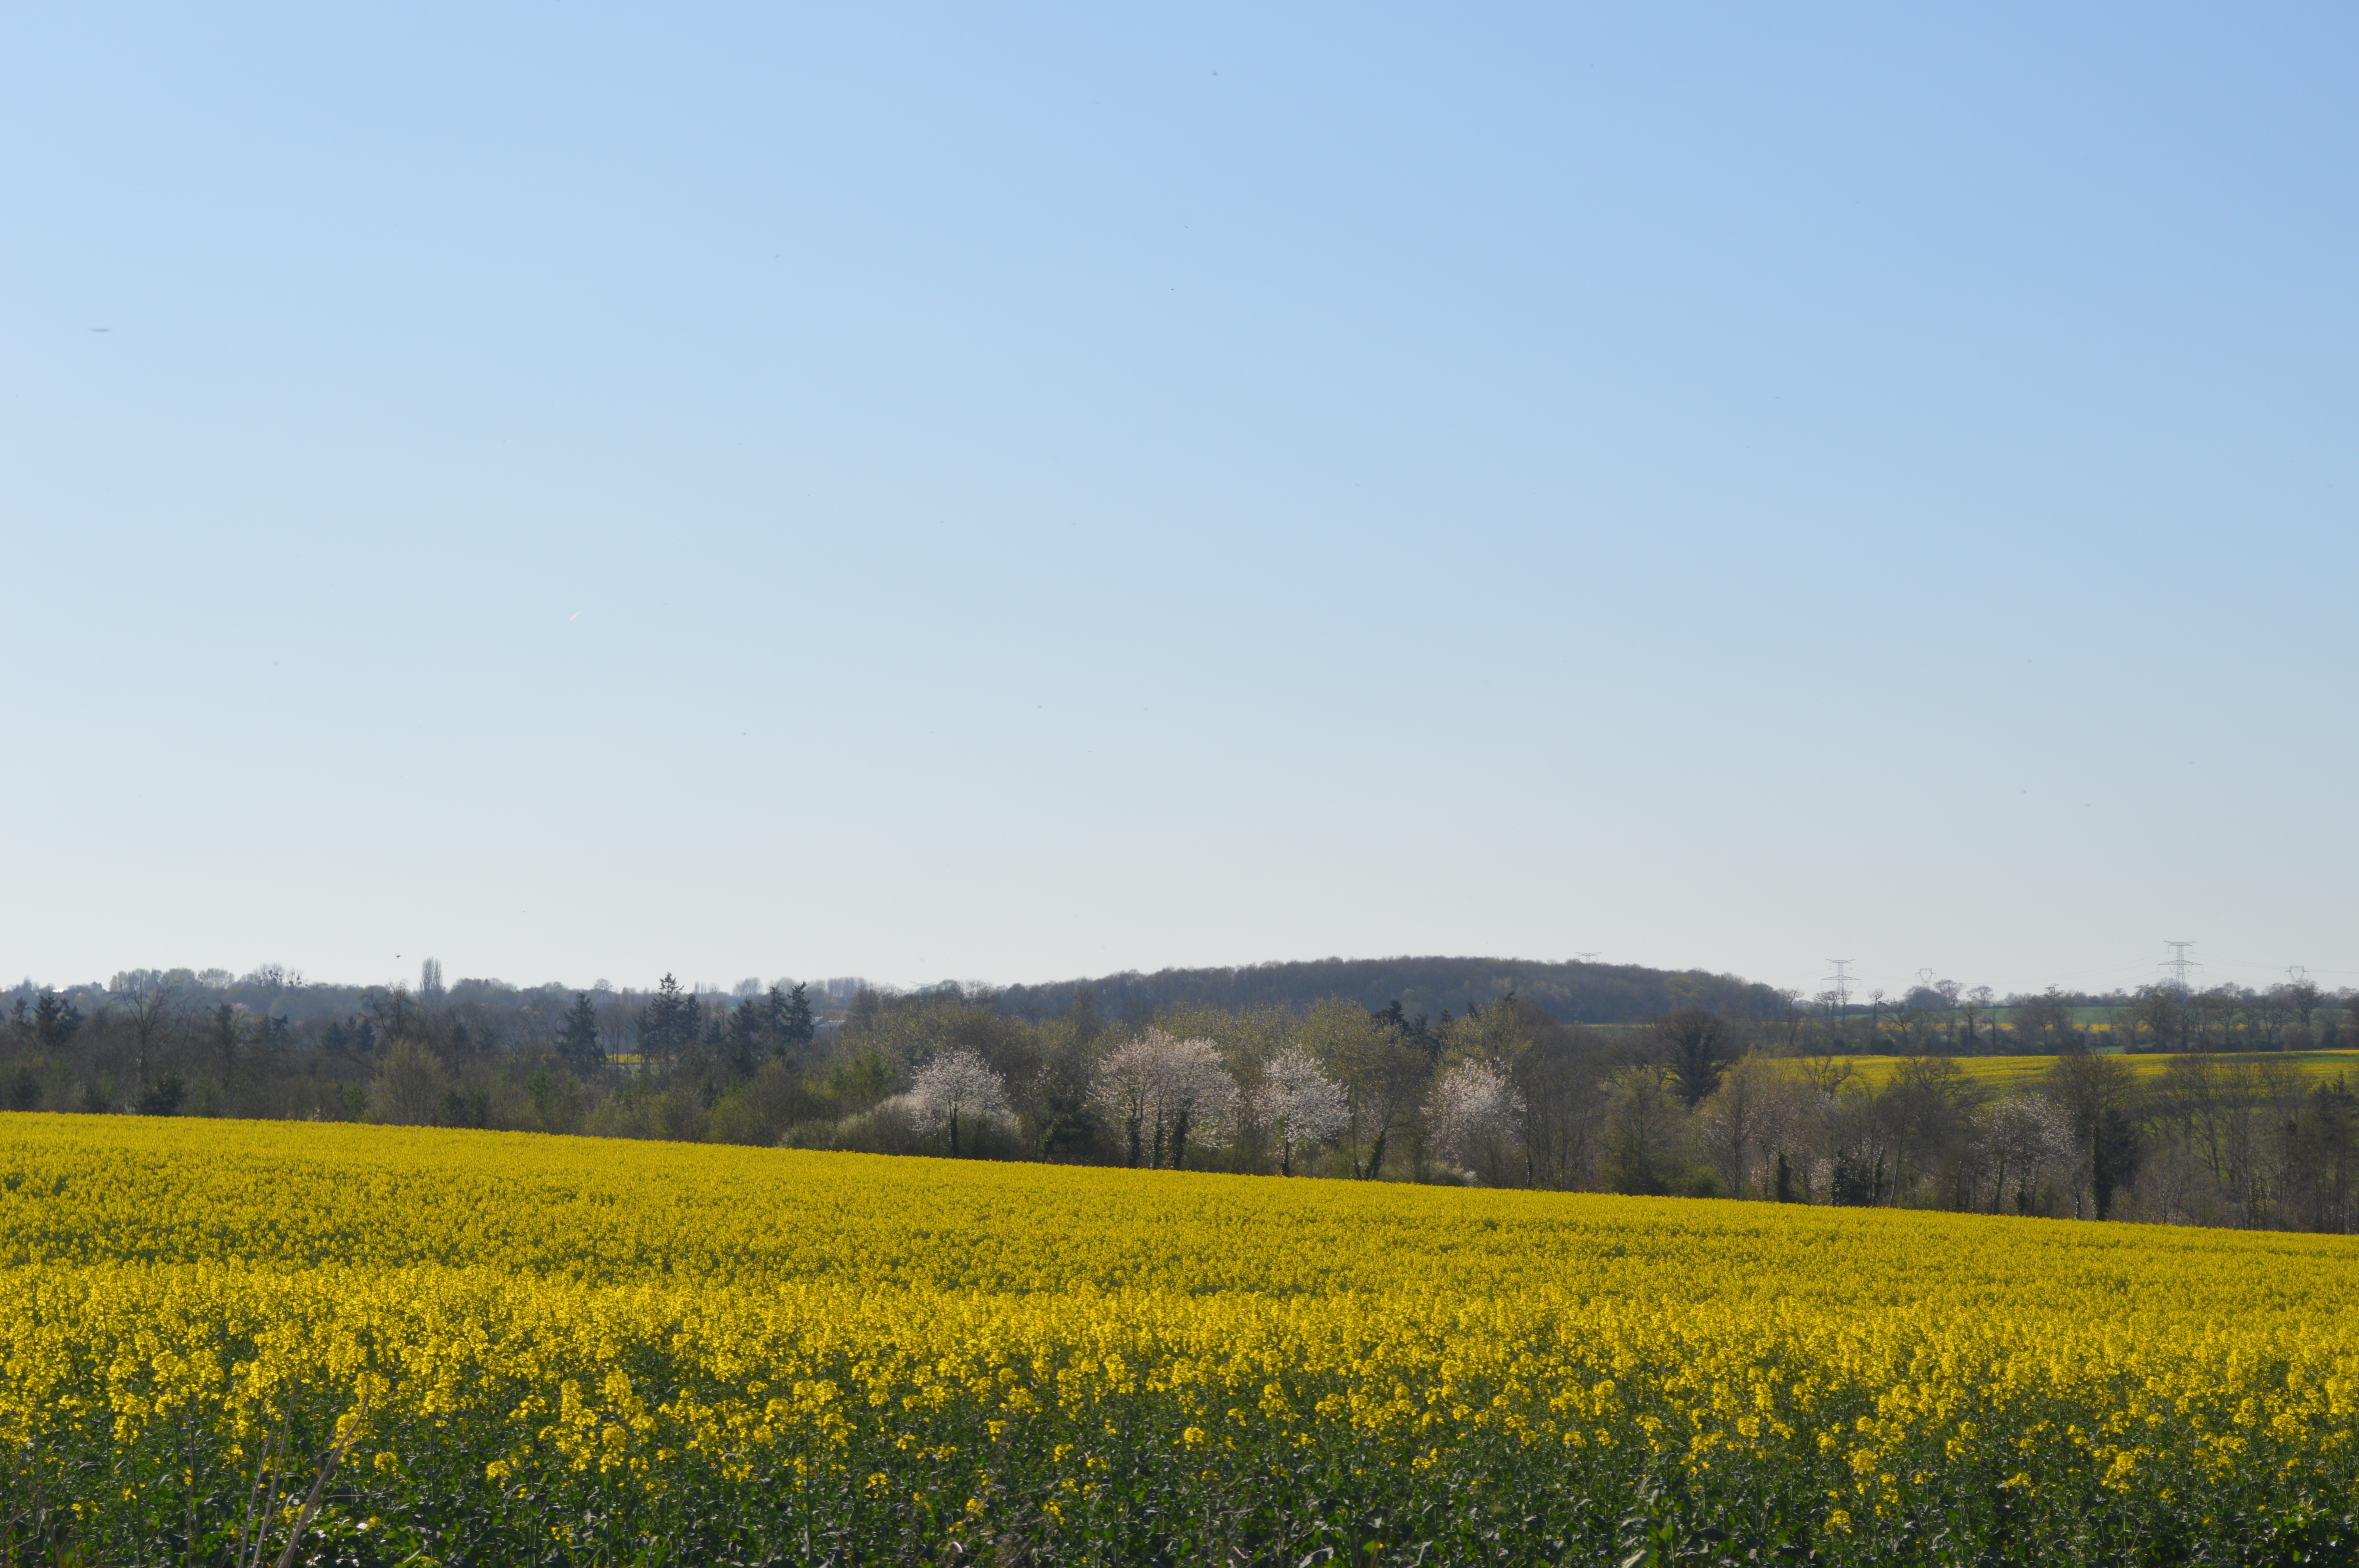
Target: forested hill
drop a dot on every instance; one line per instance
(1574, 992)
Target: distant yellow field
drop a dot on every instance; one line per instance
(2010, 1073)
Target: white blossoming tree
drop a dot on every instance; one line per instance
(2024, 1141)
(1302, 1106)
(1473, 1118)
(1162, 1091)
(957, 1087)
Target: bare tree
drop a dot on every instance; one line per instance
(1922, 1111)
(152, 1002)
(1826, 1072)
(2301, 996)
(1978, 1003)
(1745, 1120)
(1644, 1127)
(2265, 1014)
(1909, 1021)
(2213, 1010)
(2045, 1019)
(2304, 996)
(225, 1038)
(1565, 1078)
(2161, 1011)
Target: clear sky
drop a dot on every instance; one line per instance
(1005, 493)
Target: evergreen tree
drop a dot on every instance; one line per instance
(671, 1021)
(789, 1021)
(1417, 1030)
(745, 1037)
(577, 1042)
(1694, 1043)
(55, 1019)
(227, 1040)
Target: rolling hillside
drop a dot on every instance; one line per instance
(1575, 993)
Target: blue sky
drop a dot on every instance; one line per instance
(584, 491)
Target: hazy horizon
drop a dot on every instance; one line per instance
(923, 493)
(1860, 987)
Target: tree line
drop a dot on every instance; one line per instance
(1693, 1102)
(1945, 1018)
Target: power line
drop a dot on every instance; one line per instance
(2100, 970)
(2215, 962)
(2273, 964)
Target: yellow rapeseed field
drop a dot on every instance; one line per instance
(414, 1345)
(2013, 1075)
